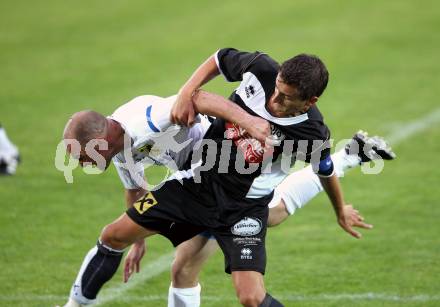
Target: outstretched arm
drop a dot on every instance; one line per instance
(137, 250)
(345, 218)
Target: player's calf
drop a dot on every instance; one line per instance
(99, 266)
(269, 301)
(102, 261)
(251, 300)
(249, 286)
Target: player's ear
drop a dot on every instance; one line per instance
(310, 103)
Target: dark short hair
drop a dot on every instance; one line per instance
(307, 73)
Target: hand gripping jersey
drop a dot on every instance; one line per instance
(152, 138)
(304, 137)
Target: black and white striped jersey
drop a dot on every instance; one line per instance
(246, 174)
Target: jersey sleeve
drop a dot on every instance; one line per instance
(325, 168)
(320, 158)
(232, 63)
(158, 114)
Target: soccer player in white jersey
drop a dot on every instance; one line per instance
(145, 120)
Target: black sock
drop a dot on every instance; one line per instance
(101, 263)
(269, 301)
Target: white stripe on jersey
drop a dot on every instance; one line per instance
(267, 181)
(218, 66)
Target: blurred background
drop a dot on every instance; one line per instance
(60, 57)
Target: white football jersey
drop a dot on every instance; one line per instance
(152, 138)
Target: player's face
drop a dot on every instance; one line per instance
(285, 101)
(84, 159)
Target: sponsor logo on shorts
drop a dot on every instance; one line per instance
(247, 227)
(145, 203)
(246, 241)
(246, 253)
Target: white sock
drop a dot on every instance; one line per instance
(184, 297)
(76, 295)
(342, 161)
(5, 144)
(301, 186)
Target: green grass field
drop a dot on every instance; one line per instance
(59, 57)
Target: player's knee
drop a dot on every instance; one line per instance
(183, 275)
(112, 236)
(250, 296)
(176, 271)
(277, 214)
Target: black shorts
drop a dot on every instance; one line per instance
(243, 244)
(179, 211)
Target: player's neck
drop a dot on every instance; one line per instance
(115, 136)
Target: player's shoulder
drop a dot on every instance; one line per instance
(234, 63)
(143, 107)
(264, 67)
(137, 103)
(264, 61)
(131, 107)
(139, 118)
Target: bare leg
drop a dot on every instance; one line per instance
(190, 257)
(249, 286)
(123, 232)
